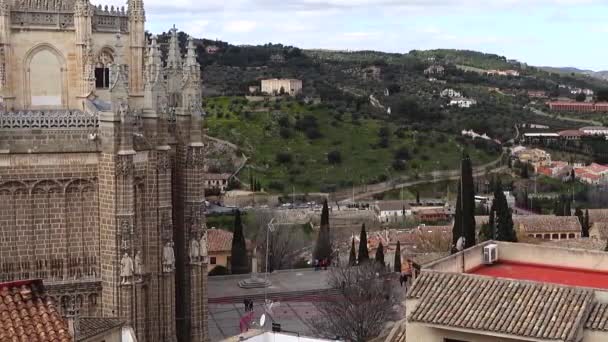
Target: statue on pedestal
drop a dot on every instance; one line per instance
(168, 258)
(138, 268)
(126, 269)
(195, 256)
(204, 252)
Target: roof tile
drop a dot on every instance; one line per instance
(26, 314)
(527, 309)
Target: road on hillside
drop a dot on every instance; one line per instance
(429, 178)
(563, 118)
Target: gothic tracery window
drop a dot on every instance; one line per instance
(102, 69)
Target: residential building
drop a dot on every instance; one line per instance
(216, 181)
(592, 174)
(274, 336)
(557, 169)
(220, 248)
(450, 93)
(434, 214)
(212, 49)
(277, 86)
(598, 215)
(434, 69)
(572, 134)
(594, 130)
(501, 291)
(533, 156)
(585, 107)
(546, 227)
(599, 231)
(462, 102)
(254, 89)
(540, 138)
(100, 187)
(277, 58)
(391, 211)
(537, 94)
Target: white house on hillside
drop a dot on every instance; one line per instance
(463, 102)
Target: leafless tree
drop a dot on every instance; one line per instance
(287, 242)
(433, 242)
(367, 302)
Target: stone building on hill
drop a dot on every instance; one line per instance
(101, 157)
(276, 86)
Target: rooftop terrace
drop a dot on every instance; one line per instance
(545, 274)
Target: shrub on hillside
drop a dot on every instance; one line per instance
(334, 157)
(284, 158)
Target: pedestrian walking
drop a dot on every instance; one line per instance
(246, 304)
(401, 279)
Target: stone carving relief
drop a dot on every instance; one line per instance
(124, 166)
(195, 250)
(48, 119)
(195, 158)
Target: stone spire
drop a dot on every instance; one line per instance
(136, 10)
(191, 61)
(154, 62)
(174, 57)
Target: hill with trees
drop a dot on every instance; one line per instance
(334, 135)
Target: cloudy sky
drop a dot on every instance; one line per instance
(540, 32)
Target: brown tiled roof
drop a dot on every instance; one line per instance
(598, 215)
(598, 318)
(26, 314)
(540, 223)
(518, 308)
(547, 223)
(220, 240)
(90, 327)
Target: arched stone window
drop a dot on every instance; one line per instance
(102, 68)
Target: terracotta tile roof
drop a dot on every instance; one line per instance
(517, 308)
(598, 215)
(220, 240)
(547, 223)
(598, 318)
(90, 327)
(26, 314)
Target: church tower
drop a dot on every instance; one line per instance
(137, 37)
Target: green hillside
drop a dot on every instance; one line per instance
(315, 148)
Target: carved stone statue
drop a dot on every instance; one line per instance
(126, 269)
(168, 258)
(203, 245)
(138, 267)
(195, 256)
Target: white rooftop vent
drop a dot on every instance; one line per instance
(490, 254)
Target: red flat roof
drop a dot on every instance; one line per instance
(544, 273)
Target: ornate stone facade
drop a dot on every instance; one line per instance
(101, 192)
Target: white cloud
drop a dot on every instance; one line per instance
(240, 26)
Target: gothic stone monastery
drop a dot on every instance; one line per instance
(101, 157)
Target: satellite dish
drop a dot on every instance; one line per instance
(262, 320)
(460, 244)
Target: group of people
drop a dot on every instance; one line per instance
(321, 264)
(248, 305)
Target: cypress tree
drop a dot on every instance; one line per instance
(363, 252)
(380, 254)
(587, 223)
(239, 262)
(504, 216)
(418, 197)
(464, 223)
(398, 258)
(352, 259)
(323, 245)
(581, 218)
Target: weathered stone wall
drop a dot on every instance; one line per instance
(48, 216)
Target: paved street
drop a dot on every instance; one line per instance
(294, 293)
